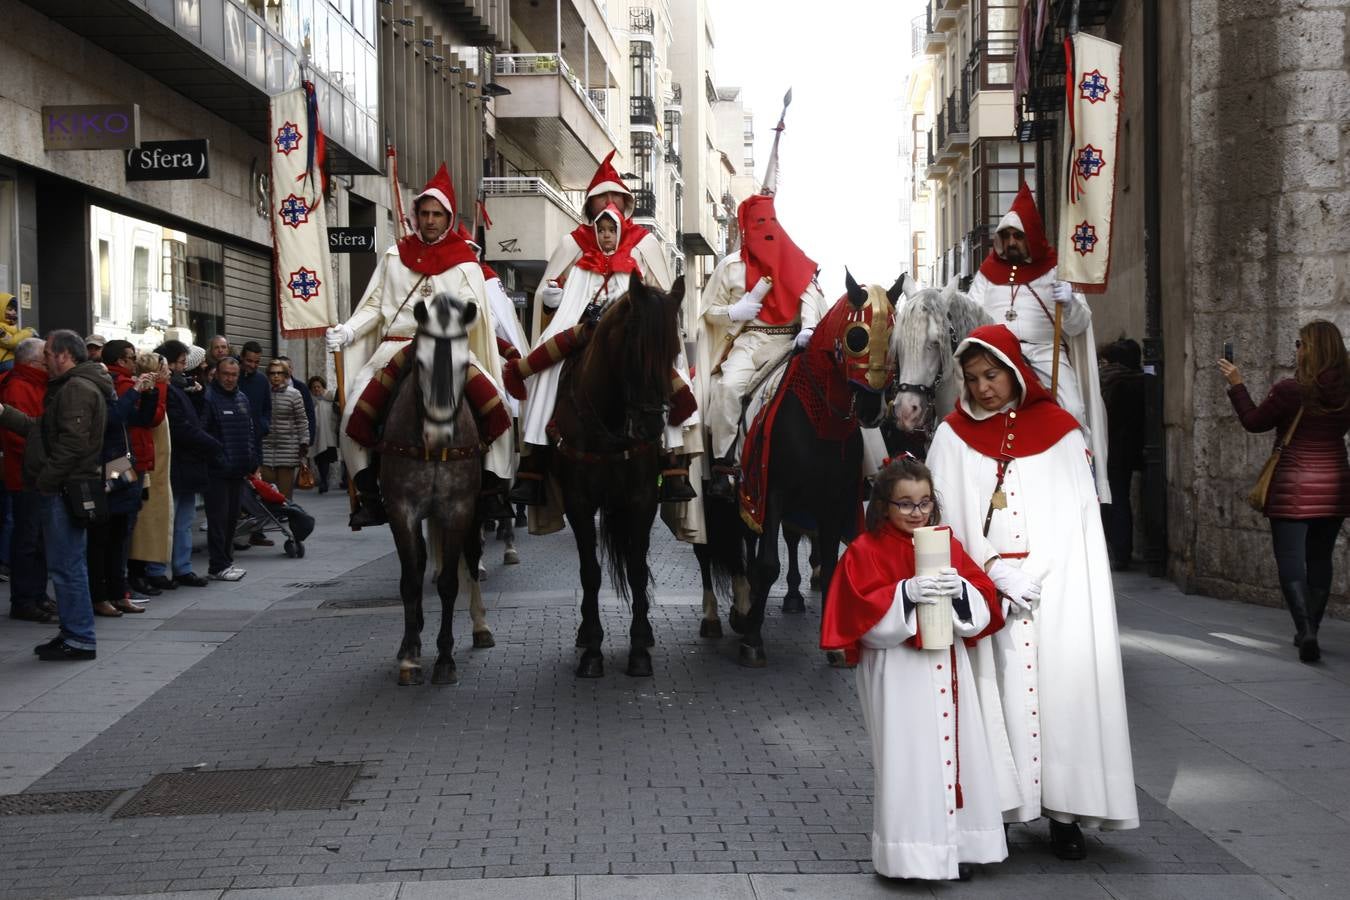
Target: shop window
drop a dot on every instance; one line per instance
(104, 280)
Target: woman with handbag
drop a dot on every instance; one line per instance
(1307, 479)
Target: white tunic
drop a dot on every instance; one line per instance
(906, 698)
(1051, 686)
(383, 323)
(1032, 311)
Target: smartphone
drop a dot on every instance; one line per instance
(1228, 350)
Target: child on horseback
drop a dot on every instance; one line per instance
(936, 807)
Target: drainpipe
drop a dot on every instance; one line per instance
(557, 22)
(1155, 460)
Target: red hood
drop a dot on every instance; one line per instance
(593, 259)
(433, 259)
(766, 249)
(1027, 219)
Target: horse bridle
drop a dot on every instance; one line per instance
(929, 391)
(421, 401)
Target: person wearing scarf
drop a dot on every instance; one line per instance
(1012, 469)
(434, 259)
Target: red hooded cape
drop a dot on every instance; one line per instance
(1024, 216)
(766, 249)
(451, 250)
(593, 259)
(1037, 423)
(862, 590)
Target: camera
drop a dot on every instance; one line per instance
(1228, 349)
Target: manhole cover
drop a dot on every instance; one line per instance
(361, 603)
(245, 790)
(57, 803)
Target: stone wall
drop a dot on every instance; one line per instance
(1263, 103)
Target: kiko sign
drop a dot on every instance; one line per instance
(105, 127)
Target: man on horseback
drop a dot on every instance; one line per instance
(590, 270)
(758, 304)
(1018, 285)
(433, 260)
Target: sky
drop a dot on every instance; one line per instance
(839, 182)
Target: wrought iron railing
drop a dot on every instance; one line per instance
(642, 111)
(644, 203)
(641, 20)
(599, 99)
(673, 158)
(527, 186)
(918, 34)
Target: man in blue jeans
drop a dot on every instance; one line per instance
(65, 444)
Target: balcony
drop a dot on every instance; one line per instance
(641, 21)
(529, 216)
(954, 123)
(644, 203)
(600, 100)
(934, 41)
(945, 15)
(578, 29)
(485, 22)
(550, 115)
(673, 159)
(918, 35)
(642, 111)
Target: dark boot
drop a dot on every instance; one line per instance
(371, 511)
(722, 484)
(1309, 650)
(675, 486)
(529, 486)
(1296, 599)
(1067, 840)
(491, 500)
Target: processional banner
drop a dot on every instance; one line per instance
(1092, 126)
(306, 304)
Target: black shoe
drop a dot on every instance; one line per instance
(30, 612)
(140, 585)
(676, 489)
(54, 642)
(162, 582)
(191, 579)
(369, 514)
(529, 491)
(244, 545)
(47, 605)
(964, 871)
(1067, 840)
(61, 651)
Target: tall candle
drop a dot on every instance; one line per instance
(933, 551)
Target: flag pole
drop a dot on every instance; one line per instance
(1059, 307)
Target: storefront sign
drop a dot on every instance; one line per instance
(352, 239)
(168, 161)
(105, 127)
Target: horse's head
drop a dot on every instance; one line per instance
(628, 360)
(930, 325)
(865, 340)
(442, 351)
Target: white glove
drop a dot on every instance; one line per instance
(1015, 584)
(550, 295)
(746, 308)
(803, 337)
(1062, 292)
(931, 588)
(338, 336)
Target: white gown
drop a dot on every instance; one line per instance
(1051, 687)
(917, 829)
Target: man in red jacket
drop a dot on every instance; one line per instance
(25, 389)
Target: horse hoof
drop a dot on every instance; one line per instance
(736, 621)
(710, 628)
(837, 659)
(482, 640)
(592, 664)
(409, 676)
(753, 657)
(444, 673)
(511, 557)
(794, 603)
(639, 664)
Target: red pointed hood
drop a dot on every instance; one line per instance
(607, 179)
(593, 259)
(1034, 424)
(442, 189)
(1027, 219)
(451, 249)
(766, 249)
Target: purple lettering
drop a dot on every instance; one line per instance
(116, 117)
(57, 123)
(88, 123)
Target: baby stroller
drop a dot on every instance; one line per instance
(266, 509)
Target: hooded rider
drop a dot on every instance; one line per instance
(1018, 284)
(432, 260)
(590, 269)
(757, 305)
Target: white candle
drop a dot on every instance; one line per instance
(933, 551)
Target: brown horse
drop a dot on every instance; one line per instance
(613, 399)
(429, 472)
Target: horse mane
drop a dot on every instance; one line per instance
(648, 336)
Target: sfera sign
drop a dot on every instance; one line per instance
(104, 127)
(168, 160)
(352, 239)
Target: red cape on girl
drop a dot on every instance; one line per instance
(862, 590)
(1033, 427)
(593, 259)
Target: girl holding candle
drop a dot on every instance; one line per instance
(1014, 473)
(936, 806)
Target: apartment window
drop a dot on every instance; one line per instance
(996, 43)
(1000, 168)
(640, 53)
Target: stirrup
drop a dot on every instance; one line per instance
(368, 515)
(675, 486)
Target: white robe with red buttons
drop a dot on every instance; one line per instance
(906, 698)
(1051, 687)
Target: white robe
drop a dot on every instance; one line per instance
(906, 698)
(1051, 687)
(382, 324)
(507, 326)
(1080, 390)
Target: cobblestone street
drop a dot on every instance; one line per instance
(531, 781)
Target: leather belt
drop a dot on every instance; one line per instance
(772, 329)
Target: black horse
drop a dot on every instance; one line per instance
(814, 467)
(613, 401)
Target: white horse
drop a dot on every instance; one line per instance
(927, 329)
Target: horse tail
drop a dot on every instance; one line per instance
(616, 542)
(726, 542)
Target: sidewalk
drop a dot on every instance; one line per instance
(706, 781)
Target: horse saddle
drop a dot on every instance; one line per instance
(760, 392)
